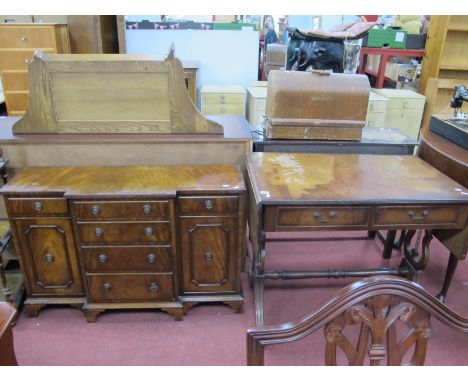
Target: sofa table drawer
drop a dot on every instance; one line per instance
(317, 217)
(421, 216)
(208, 205)
(130, 287)
(37, 206)
(127, 210)
(127, 258)
(124, 232)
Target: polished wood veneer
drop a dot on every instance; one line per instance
(100, 238)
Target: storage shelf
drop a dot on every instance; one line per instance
(458, 29)
(453, 67)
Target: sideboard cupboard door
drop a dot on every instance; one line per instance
(209, 251)
(48, 257)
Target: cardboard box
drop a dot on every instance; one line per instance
(400, 72)
(385, 38)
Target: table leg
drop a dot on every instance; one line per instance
(388, 246)
(451, 267)
(259, 270)
(415, 260)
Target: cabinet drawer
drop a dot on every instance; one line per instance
(15, 60)
(316, 217)
(209, 109)
(14, 81)
(420, 216)
(27, 37)
(128, 210)
(128, 258)
(375, 120)
(36, 206)
(408, 121)
(222, 98)
(130, 287)
(125, 232)
(208, 204)
(16, 102)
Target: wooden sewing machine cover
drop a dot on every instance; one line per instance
(316, 105)
(87, 93)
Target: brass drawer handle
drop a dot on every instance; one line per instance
(49, 258)
(102, 258)
(27, 61)
(95, 210)
(23, 38)
(153, 287)
(146, 209)
(413, 215)
(99, 232)
(106, 287)
(38, 206)
(324, 219)
(149, 231)
(151, 258)
(208, 204)
(208, 256)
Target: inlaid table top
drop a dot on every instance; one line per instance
(348, 178)
(125, 180)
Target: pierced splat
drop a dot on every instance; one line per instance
(378, 333)
(393, 315)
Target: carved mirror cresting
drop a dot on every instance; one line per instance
(110, 93)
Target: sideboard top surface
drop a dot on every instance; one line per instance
(349, 178)
(123, 181)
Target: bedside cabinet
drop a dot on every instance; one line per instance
(223, 100)
(376, 110)
(17, 45)
(256, 103)
(404, 110)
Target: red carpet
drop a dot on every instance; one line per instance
(214, 335)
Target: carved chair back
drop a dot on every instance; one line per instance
(377, 305)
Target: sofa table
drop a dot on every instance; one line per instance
(347, 192)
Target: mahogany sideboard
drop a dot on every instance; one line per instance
(347, 192)
(100, 238)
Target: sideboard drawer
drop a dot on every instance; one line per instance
(125, 232)
(130, 287)
(208, 204)
(128, 210)
(317, 217)
(27, 37)
(127, 258)
(444, 216)
(36, 206)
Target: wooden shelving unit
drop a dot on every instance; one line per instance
(446, 50)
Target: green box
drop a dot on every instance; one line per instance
(232, 26)
(386, 38)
